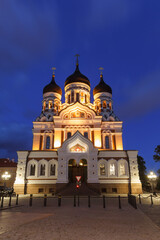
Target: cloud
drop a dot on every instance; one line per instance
(28, 32)
(142, 97)
(14, 137)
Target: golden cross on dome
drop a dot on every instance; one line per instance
(101, 70)
(53, 68)
(77, 56)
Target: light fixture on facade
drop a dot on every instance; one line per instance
(6, 176)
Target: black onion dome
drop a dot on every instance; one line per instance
(77, 76)
(52, 87)
(102, 87)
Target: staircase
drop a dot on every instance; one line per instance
(84, 190)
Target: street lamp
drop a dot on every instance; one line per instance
(6, 176)
(152, 177)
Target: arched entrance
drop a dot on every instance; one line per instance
(75, 169)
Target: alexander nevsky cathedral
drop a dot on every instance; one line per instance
(77, 138)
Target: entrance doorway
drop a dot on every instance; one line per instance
(75, 169)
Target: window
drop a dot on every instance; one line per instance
(48, 142)
(50, 104)
(104, 104)
(51, 190)
(44, 106)
(110, 105)
(122, 169)
(40, 190)
(103, 190)
(72, 96)
(112, 169)
(68, 134)
(77, 97)
(52, 169)
(68, 98)
(114, 190)
(102, 169)
(85, 98)
(41, 142)
(42, 170)
(107, 142)
(32, 170)
(86, 134)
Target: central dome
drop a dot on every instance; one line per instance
(77, 76)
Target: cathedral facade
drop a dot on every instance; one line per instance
(77, 138)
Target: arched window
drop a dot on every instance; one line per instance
(112, 169)
(42, 170)
(104, 104)
(68, 134)
(72, 96)
(102, 169)
(44, 106)
(77, 97)
(86, 134)
(50, 104)
(122, 169)
(32, 170)
(68, 98)
(48, 142)
(107, 142)
(41, 142)
(86, 99)
(52, 169)
(110, 105)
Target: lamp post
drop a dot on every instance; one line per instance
(152, 177)
(6, 176)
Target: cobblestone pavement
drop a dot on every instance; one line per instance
(69, 223)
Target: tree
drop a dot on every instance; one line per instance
(142, 171)
(158, 180)
(156, 156)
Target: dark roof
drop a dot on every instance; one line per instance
(77, 76)
(52, 87)
(102, 87)
(4, 162)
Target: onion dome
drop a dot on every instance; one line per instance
(77, 76)
(52, 87)
(102, 87)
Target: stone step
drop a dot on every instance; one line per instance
(84, 190)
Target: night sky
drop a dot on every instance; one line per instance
(122, 36)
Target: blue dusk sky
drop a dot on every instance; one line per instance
(122, 36)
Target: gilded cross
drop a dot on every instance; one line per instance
(53, 68)
(77, 56)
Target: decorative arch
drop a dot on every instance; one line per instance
(123, 168)
(41, 163)
(32, 163)
(52, 163)
(104, 171)
(112, 168)
(89, 154)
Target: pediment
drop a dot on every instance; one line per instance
(77, 148)
(76, 111)
(77, 143)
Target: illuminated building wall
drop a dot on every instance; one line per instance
(77, 130)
